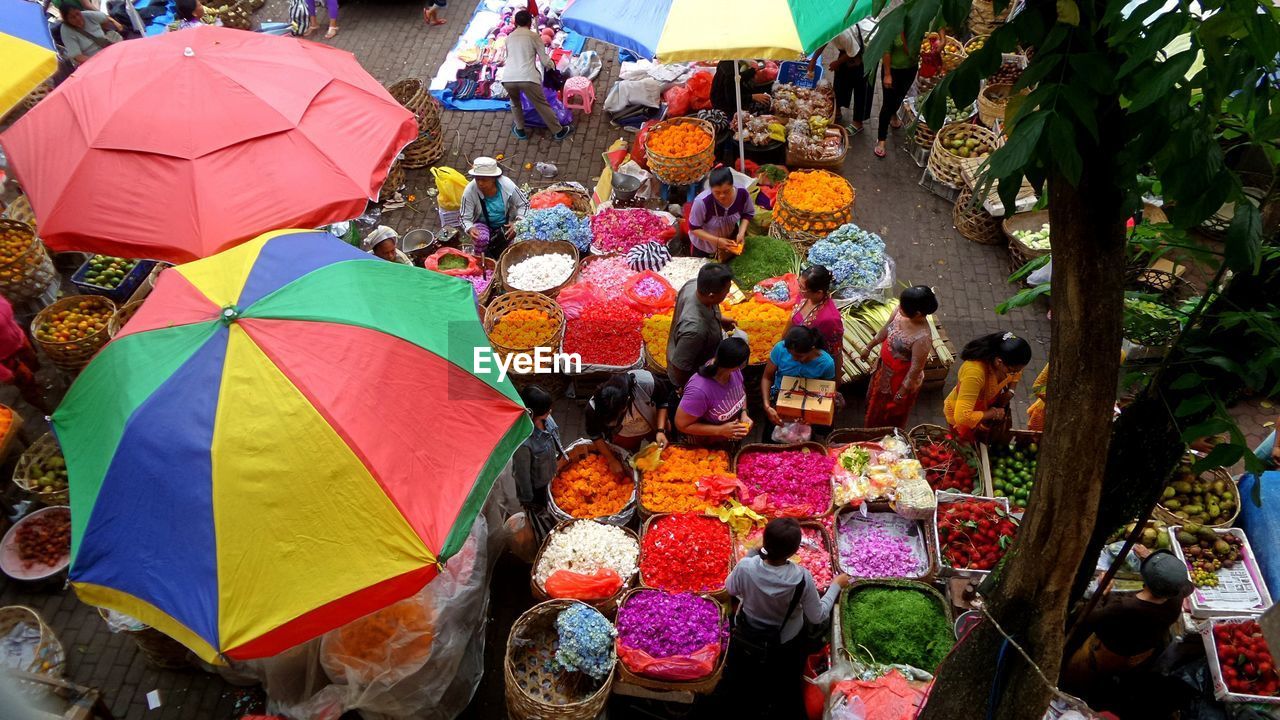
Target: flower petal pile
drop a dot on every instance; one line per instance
(555, 223)
(854, 256)
(793, 483)
(605, 334)
(607, 274)
(680, 270)
(685, 553)
(679, 140)
(619, 230)
(586, 641)
(541, 272)
(656, 331)
(524, 328)
(587, 488)
(817, 192)
(764, 324)
(673, 486)
(665, 624)
(878, 546)
(584, 547)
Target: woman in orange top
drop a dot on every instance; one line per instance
(979, 403)
(1035, 413)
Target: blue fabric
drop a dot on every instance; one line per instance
(573, 42)
(822, 367)
(496, 209)
(1262, 524)
(474, 105)
(635, 26)
(26, 20)
(1268, 446)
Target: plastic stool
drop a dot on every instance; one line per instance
(582, 89)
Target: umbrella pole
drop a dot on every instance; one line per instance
(737, 94)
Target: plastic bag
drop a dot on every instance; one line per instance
(848, 295)
(679, 100)
(700, 88)
(577, 296)
(637, 146)
(432, 262)
(523, 541)
(544, 200)
(646, 304)
(789, 281)
(601, 584)
(450, 183)
(586, 64)
(694, 666)
(533, 119)
(792, 433)
(648, 459)
(768, 73)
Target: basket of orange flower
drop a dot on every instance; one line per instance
(656, 330)
(680, 151)
(520, 322)
(585, 487)
(764, 323)
(810, 204)
(672, 487)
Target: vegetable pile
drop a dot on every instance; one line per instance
(764, 323)
(854, 256)
(787, 483)
(1207, 552)
(665, 624)
(618, 230)
(44, 540)
(585, 641)
(949, 465)
(763, 257)
(1034, 239)
(973, 534)
(555, 223)
(1013, 471)
(108, 272)
(587, 488)
(881, 545)
(1200, 500)
(1245, 661)
(872, 470)
(524, 328)
(605, 334)
(673, 486)
(896, 626)
(685, 553)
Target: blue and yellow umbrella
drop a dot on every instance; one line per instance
(27, 52)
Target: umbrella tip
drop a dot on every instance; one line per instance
(189, 52)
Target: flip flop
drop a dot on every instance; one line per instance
(853, 130)
(438, 21)
(879, 151)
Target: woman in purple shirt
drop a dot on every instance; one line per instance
(719, 217)
(713, 408)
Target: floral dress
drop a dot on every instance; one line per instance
(884, 406)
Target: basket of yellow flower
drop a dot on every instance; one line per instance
(656, 330)
(680, 151)
(520, 322)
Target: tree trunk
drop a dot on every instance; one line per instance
(1031, 592)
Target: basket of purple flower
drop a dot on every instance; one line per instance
(671, 641)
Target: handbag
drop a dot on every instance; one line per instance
(112, 37)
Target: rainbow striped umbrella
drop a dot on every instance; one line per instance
(287, 436)
(27, 52)
(690, 30)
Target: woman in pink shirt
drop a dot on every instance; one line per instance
(713, 408)
(18, 362)
(819, 311)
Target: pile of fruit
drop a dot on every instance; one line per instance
(949, 465)
(1207, 552)
(1149, 323)
(15, 238)
(47, 474)
(77, 322)
(973, 534)
(1009, 73)
(234, 15)
(1013, 470)
(1155, 535)
(108, 272)
(1034, 239)
(975, 44)
(939, 57)
(1198, 500)
(1247, 665)
(45, 540)
(966, 142)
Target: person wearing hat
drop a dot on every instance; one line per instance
(1125, 631)
(384, 243)
(491, 205)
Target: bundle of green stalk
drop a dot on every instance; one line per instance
(861, 323)
(896, 626)
(763, 257)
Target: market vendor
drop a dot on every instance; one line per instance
(696, 324)
(776, 598)
(723, 97)
(800, 353)
(1126, 631)
(719, 217)
(817, 310)
(713, 409)
(18, 361)
(86, 32)
(630, 408)
(384, 243)
(491, 205)
(978, 406)
(535, 461)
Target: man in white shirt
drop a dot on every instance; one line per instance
(83, 34)
(522, 75)
(849, 75)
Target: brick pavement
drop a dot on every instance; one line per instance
(390, 40)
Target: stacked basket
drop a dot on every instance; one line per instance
(429, 147)
(972, 219)
(992, 103)
(983, 19)
(393, 183)
(26, 270)
(1019, 252)
(681, 170)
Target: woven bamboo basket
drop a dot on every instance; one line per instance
(122, 317)
(975, 43)
(581, 199)
(20, 210)
(426, 150)
(534, 690)
(49, 658)
(1169, 517)
(845, 436)
(44, 448)
(684, 170)
(608, 606)
(6, 439)
(520, 251)
(412, 93)
(719, 593)
(993, 101)
(701, 686)
(973, 221)
(983, 19)
(394, 181)
(1024, 222)
(926, 434)
(520, 300)
(73, 355)
(839, 633)
(811, 446)
(159, 650)
(647, 512)
(790, 218)
(796, 160)
(927, 542)
(944, 163)
(34, 97)
(26, 270)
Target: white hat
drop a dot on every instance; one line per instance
(484, 167)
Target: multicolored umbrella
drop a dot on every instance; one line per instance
(285, 437)
(27, 52)
(691, 30)
(180, 145)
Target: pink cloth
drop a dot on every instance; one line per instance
(828, 322)
(12, 338)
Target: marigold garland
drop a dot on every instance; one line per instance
(657, 328)
(524, 329)
(764, 323)
(587, 488)
(817, 192)
(679, 140)
(673, 486)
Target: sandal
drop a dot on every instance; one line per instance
(879, 151)
(311, 30)
(854, 129)
(439, 21)
(331, 33)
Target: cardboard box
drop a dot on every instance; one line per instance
(806, 400)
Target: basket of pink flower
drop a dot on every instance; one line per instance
(785, 480)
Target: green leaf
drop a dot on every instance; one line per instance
(1244, 237)
(1187, 381)
(1193, 405)
(1212, 426)
(1094, 70)
(1032, 266)
(1062, 145)
(1082, 107)
(1069, 12)
(1022, 298)
(1222, 455)
(1014, 154)
(1157, 84)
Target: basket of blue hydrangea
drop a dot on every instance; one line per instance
(560, 662)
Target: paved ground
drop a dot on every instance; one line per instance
(389, 38)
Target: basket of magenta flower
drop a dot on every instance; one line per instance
(671, 641)
(785, 480)
(814, 554)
